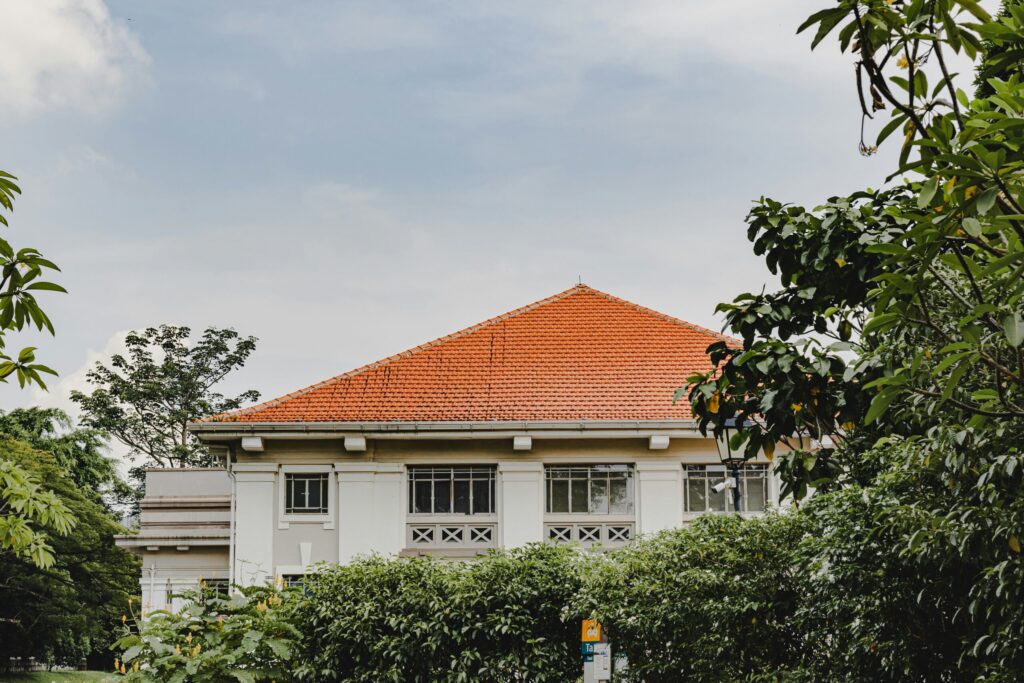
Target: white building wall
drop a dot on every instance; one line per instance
(371, 509)
(254, 522)
(521, 519)
(659, 496)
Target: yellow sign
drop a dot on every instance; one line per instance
(591, 631)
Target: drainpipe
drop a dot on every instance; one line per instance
(152, 585)
(231, 532)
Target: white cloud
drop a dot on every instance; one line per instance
(59, 394)
(297, 30)
(64, 53)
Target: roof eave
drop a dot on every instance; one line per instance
(496, 429)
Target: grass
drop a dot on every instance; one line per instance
(58, 677)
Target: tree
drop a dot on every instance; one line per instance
(68, 608)
(79, 451)
(146, 399)
(891, 360)
(24, 505)
(20, 276)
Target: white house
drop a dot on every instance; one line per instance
(553, 422)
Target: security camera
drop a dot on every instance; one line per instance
(723, 485)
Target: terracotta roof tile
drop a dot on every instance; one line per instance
(578, 355)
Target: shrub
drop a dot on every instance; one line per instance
(212, 639)
(709, 602)
(501, 617)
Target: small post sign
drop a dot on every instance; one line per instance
(596, 651)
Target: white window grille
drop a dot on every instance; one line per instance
(700, 495)
(589, 489)
(305, 493)
(451, 490)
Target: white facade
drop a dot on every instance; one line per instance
(588, 488)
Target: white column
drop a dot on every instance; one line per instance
(371, 509)
(254, 522)
(659, 496)
(522, 502)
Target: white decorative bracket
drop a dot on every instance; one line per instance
(253, 444)
(658, 442)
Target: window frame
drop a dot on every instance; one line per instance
(476, 474)
(285, 518)
(629, 468)
(719, 469)
(317, 479)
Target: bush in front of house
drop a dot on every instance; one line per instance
(705, 603)
(502, 617)
(709, 602)
(213, 638)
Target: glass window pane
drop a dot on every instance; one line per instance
(300, 494)
(754, 493)
(314, 493)
(558, 500)
(598, 496)
(442, 497)
(461, 496)
(696, 501)
(716, 501)
(482, 496)
(578, 496)
(621, 496)
(421, 497)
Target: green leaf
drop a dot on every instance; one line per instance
(48, 286)
(986, 200)
(972, 226)
(243, 676)
(1013, 327)
(879, 405)
(928, 190)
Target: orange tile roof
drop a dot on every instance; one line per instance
(578, 355)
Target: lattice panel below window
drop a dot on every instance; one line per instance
(590, 534)
(451, 535)
(423, 535)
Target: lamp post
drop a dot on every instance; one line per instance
(730, 459)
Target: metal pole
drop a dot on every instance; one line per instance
(736, 488)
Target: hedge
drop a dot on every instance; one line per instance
(710, 602)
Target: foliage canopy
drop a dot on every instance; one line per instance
(146, 398)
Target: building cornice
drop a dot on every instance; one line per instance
(547, 429)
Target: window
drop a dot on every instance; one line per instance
(451, 490)
(218, 586)
(293, 581)
(305, 494)
(701, 496)
(590, 489)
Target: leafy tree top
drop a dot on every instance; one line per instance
(21, 277)
(900, 309)
(147, 397)
(79, 451)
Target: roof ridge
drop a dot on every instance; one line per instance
(662, 316)
(404, 354)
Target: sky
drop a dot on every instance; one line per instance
(345, 180)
